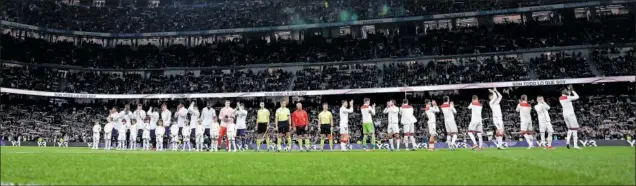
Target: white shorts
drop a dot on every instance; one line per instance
(476, 126)
(344, 130)
(526, 126)
(145, 134)
(121, 137)
(393, 128)
(451, 126)
(571, 122)
(108, 136)
(174, 138)
(409, 128)
(432, 128)
(498, 122)
(545, 127)
(133, 136)
(231, 132)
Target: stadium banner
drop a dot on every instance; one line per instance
(531, 83)
(440, 145)
(316, 25)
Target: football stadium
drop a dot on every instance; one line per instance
(318, 92)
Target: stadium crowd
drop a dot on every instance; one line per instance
(122, 17)
(610, 29)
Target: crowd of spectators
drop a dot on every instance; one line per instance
(561, 65)
(116, 17)
(613, 29)
(604, 112)
(615, 61)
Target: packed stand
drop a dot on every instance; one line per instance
(604, 112)
(337, 77)
(561, 65)
(136, 18)
(467, 40)
(615, 61)
(22, 77)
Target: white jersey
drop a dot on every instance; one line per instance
(122, 130)
(194, 116)
(154, 118)
(181, 116)
(185, 132)
(475, 114)
(133, 129)
(97, 128)
(140, 115)
(166, 117)
(407, 114)
(344, 116)
(542, 112)
(108, 128)
(146, 131)
(367, 113)
(449, 113)
(392, 112)
(226, 111)
(430, 113)
(524, 111)
(241, 119)
(566, 103)
(125, 115)
(174, 130)
(206, 115)
(200, 129)
(215, 127)
(160, 131)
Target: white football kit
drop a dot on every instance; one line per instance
(344, 119)
(524, 110)
(475, 125)
(543, 116)
(432, 120)
(449, 118)
(568, 111)
(497, 117)
(393, 119)
(408, 119)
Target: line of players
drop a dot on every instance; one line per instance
(286, 122)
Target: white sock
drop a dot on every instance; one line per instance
(528, 139)
(568, 136)
(397, 145)
(543, 137)
(234, 144)
(499, 141)
(576, 138)
(391, 143)
(342, 146)
(453, 139)
(480, 139)
(413, 141)
(549, 144)
(448, 139)
(472, 138)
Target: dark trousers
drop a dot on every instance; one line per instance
(114, 136)
(153, 139)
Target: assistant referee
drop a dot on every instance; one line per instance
(325, 118)
(262, 123)
(282, 124)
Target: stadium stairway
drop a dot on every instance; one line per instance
(593, 67)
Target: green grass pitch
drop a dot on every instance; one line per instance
(600, 165)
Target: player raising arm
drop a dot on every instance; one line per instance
(368, 111)
(344, 123)
(497, 117)
(567, 96)
(282, 125)
(430, 110)
(544, 121)
(408, 122)
(526, 121)
(448, 109)
(325, 120)
(475, 126)
(96, 130)
(262, 124)
(393, 129)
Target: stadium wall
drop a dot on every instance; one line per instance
(442, 145)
